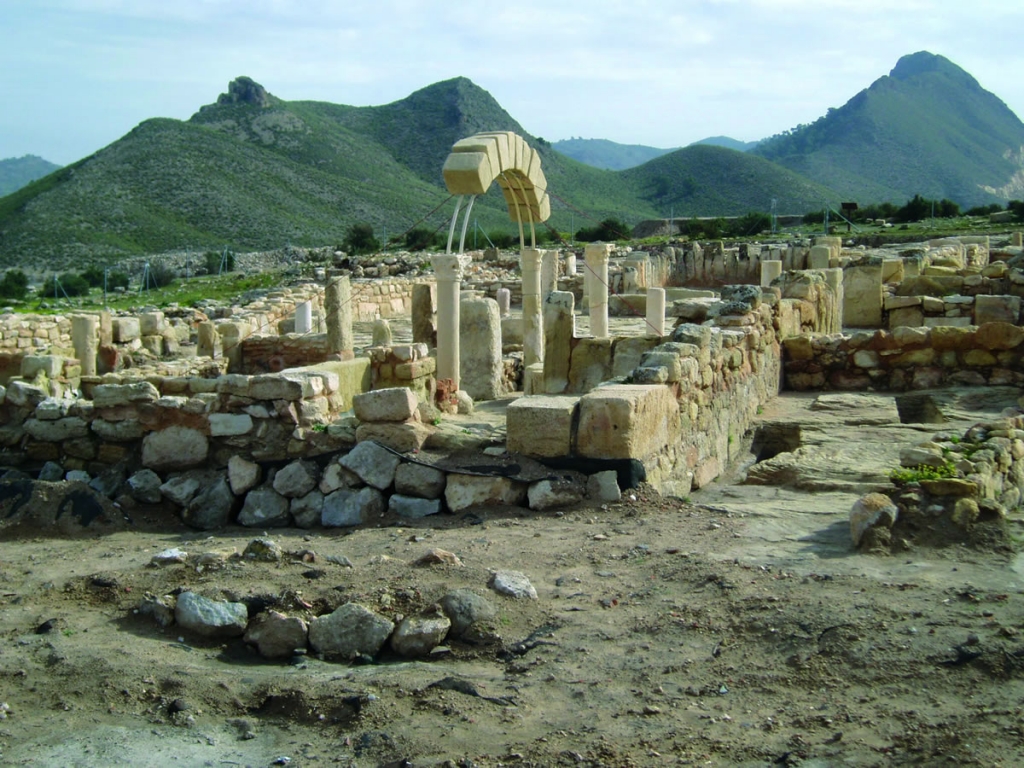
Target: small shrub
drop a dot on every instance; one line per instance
(922, 472)
(14, 285)
(213, 261)
(360, 239)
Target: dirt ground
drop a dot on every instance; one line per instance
(666, 632)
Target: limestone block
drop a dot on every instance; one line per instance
(350, 631)
(419, 480)
(468, 173)
(999, 336)
(346, 507)
(481, 368)
(934, 322)
(243, 474)
(210, 618)
(482, 143)
(996, 309)
(114, 395)
(626, 354)
(819, 257)
(58, 430)
(907, 317)
(552, 494)
(463, 491)
(122, 431)
(862, 296)
(604, 486)
(126, 329)
(391, 404)
(374, 464)
(505, 147)
(624, 422)
(413, 506)
(230, 424)
(404, 437)
(540, 426)
(264, 507)
(176, 447)
(590, 363)
(151, 323)
(51, 366)
(892, 270)
(287, 386)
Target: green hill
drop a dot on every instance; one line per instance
(16, 172)
(727, 142)
(602, 153)
(705, 180)
(928, 128)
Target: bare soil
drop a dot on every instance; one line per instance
(652, 642)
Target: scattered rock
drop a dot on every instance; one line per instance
(874, 509)
(210, 618)
(352, 630)
(277, 636)
(419, 635)
(464, 607)
(262, 550)
(438, 557)
(514, 584)
(169, 557)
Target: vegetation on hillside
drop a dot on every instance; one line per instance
(609, 155)
(16, 172)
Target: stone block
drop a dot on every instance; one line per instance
(463, 491)
(996, 309)
(404, 437)
(126, 329)
(419, 480)
(392, 404)
(906, 317)
(862, 296)
(230, 424)
(540, 426)
(176, 447)
(627, 422)
(468, 173)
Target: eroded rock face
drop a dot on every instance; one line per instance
(245, 90)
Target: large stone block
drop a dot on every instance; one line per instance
(996, 309)
(626, 422)
(481, 366)
(862, 296)
(465, 491)
(174, 448)
(392, 404)
(540, 425)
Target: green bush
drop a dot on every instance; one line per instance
(214, 259)
(14, 284)
(609, 230)
(117, 280)
(70, 284)
(360, 239)
(922, 472)
(93, 276)
(750, 224)
(502, 239)
(421, 238)
(984, 210)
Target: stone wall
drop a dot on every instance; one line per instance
(906, 358)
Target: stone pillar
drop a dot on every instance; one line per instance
(570, 264)
(338, 310)
(504, 301)
(231, 335)
(207, 345)
(655, 312)
(449, 269)
(596, 255)
(819, 257)
(548, 273)
(1018, 240)
(533, 330)
(381, 335)
(304, 317)
(85, 338)
(770, 269)
(481, 364)
(862, 296)
(106, 328)
(423, 330)
(834, 280)
(559, 329)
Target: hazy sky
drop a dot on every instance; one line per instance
(76, 75)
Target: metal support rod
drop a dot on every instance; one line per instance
(465, 224)
(451, 229)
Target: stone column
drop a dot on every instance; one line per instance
(449, 269)
(504, 301)
(423, 330)
(304, 317)
(338, 310)
(548, 273)
(655, 312)
(207, 344)
(559, 328)
(85, 337)
(533, 326)
(570, 264)
(834, 280)
(596, 255)
(1018, 240)
(770, 269)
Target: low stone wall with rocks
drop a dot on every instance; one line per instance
(952, 489)
(906, 358)
(931, 311)
(387, 298)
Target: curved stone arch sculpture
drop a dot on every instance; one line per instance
(503, 156)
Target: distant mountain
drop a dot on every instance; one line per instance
(16, 172)
(928, 128)
(714, 181)
(602, 153)
(728, 143)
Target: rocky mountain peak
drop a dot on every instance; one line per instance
(245, 90)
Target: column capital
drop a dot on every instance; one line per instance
(450, 266)
(530, 257)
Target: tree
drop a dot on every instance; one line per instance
(609, 230)
(420, 239)
(916, 209)
(14, 285)
(213, 261)
(360, 239)
(1017, 206)
(93, 276)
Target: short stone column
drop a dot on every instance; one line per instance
(304, 317)
(1018, 240)
(85, 338)
(338, 310)
(207, 342)
(548, 273)
(504, 302)
(655, 312)
(834, 280)
(770, 269)
(596, 255)
(570, 264)
(449, 269)
(559, 329)
(533, 326)
(423, 330)
(381, 333)
(481, 365)
(106, 328)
